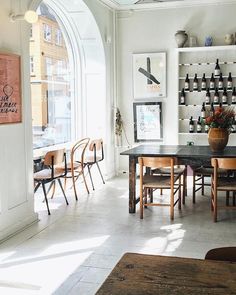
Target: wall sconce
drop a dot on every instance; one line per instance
(30, 16)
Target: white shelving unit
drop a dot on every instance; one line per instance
(199, 60)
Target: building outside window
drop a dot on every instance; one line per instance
(47, 32)
(58, 37)
(50, 91)
(48, 66)
(32, 65)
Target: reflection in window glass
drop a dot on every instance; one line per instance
(47, 32)
(58, 37)
(50, 85)
(32, 65)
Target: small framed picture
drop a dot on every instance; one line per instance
(10, 89)
(147, 121)
(149, 75)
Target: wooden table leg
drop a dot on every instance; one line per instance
(132, 184)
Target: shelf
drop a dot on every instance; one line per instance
(207, 63)
(206, 48)
(194, 133)
(207, 77)
(211, 91)
(206, 105)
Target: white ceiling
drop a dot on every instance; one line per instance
(149, 4)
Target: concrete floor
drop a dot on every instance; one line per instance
(73, 250)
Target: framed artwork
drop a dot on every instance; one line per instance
(147, 121)
(149, 75)
(10, 88)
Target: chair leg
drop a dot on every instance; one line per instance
(161, 191)
(36, 187)
(146, 190)
(172, 204)
(141, 203)
(194, 187)
(62, 191)
(227, 198)
(73, 182)
(179, 194)
(45, 196)
(85, 182)
(184, 192)
(203, 185)
(52, 185)
(90, 177)
(215, 205)
(100, 172)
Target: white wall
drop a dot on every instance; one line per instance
(153, 31)
(16, 182)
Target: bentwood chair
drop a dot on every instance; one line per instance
(96, 156)
(222, 254)
(76, 165)
(219, 183)
(51, 172)
(149, 183)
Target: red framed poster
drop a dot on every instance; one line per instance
(10, 89)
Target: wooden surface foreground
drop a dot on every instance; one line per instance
(152, 274)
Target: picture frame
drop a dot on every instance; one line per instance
(147, 121)
(10, 89)
(149, 75)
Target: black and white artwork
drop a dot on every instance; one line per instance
(149, 75)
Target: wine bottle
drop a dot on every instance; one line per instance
(207, 128)
(212, 82)
(208, 97)
(212, 109)
(186, 83)
(234, 96)
(216, 96)
(217, 69)
(191, 125)
(221, 82)
(224, 98)
(229, 82)
(195, 83)
(182, 97)
(203, 111)
(203, 85)
(199, 125)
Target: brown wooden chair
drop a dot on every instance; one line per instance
(149, 183)
(200, 174)
(219, 183)
(76, 165)
(96, 156)
(179, 169)
(50, 172)
(222, 254)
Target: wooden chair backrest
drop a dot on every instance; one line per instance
(55, 157)
(224, 163)
(96, 144)
(157, 162)
(78, 150)
(222, 254)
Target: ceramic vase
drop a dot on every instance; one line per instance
(229, 39)
(218, 139)
(181, 37)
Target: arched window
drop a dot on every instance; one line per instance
(50, 81)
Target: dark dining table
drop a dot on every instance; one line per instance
(164, 275)
(194, 155)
